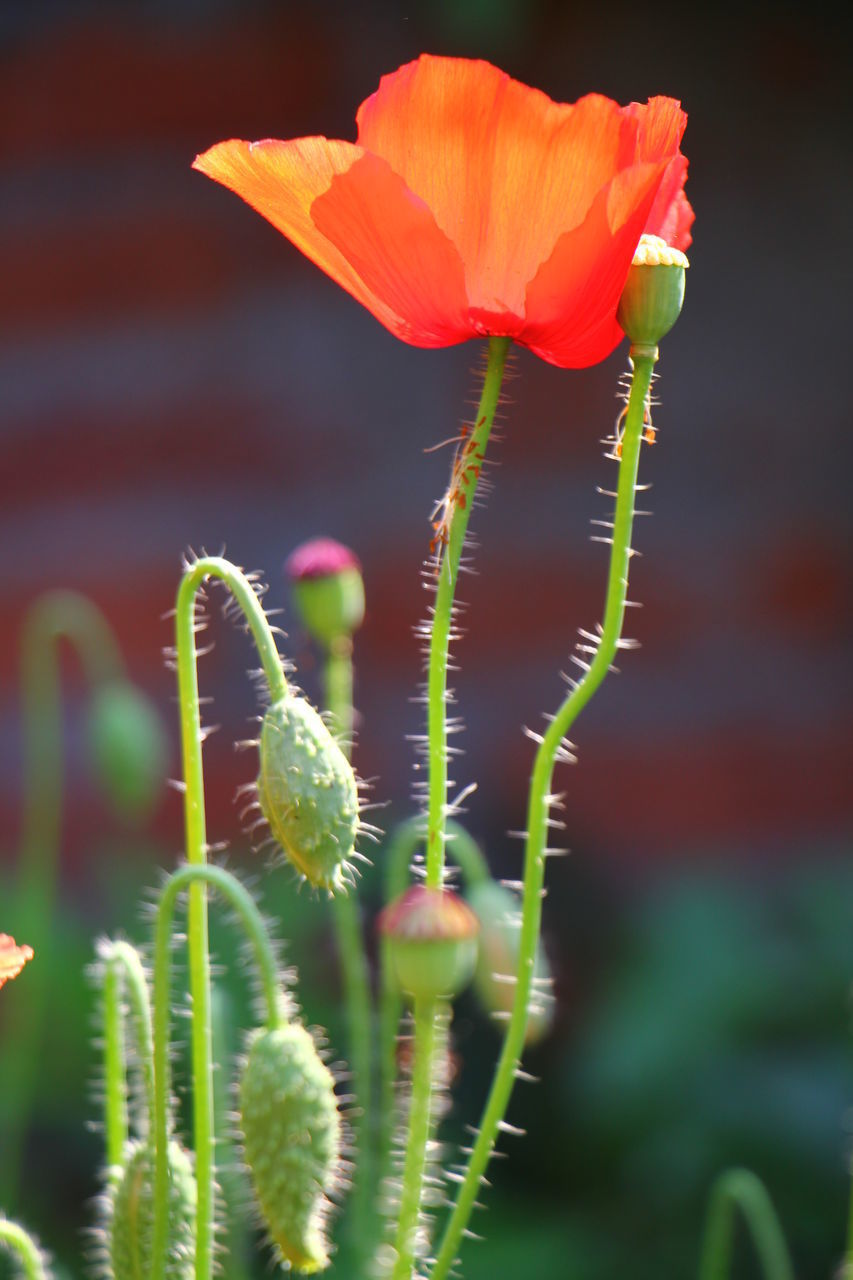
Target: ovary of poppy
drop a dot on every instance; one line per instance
(12, 958)
(472, 205)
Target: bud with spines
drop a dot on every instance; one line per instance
(131, 1213)
(432, 941)
(292, 1139)
(654, 292)
(129, 747)
(327, 589)
(497, 910)
(307, 792)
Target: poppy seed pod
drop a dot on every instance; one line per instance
(654, 292)
(328, 590)
(129, 747)
(307, 792)
(292, 1138)
(432, 941)
(497, 957)
(132, 1216)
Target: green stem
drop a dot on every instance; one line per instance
(426, 1038)
(460, 501)
(539, 805)
(18, 1241)
(196, 841)
(741, 1189)
(353, 958)
(191, 877)
(122, 966)
(56, 616)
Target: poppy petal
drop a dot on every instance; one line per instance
(504, 169)
(390, 239)
(12, 958)
(672, 216)
(281, 180)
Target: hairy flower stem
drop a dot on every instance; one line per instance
(196, 842)
(19, 1242)
(741, 1189)
(56, 616)
(123, 970)
(353, 958)
(426, 1039)
(539, 804)
(197, 875)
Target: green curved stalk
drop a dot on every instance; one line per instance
(539, 805)
(190, 877)
(122, 966)
(196, 842)
(56, 616)
(741, 1189)
(20, 1242)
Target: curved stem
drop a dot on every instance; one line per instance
(56, 616)
(741, 1189)
(196, 841)
(419, 1125)
(458, 503)
(19, 1241)
(191, 877)
(121, 961)
(539, 805)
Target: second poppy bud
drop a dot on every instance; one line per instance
(432, 939)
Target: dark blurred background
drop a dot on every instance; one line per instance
(173, 374)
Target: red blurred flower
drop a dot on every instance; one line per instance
(12, 958)
(474, 205)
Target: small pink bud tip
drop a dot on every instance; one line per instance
(422, 914)
(319, 558)
(431, 937)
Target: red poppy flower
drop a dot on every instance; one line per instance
(12, 958)
(473, 205)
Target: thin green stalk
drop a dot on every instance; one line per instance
(123, 970)
(539, 805)
(56, 616)
(426, 1015)
(354, 968)
(741, 1189)
(191, 877)
(196, 842)
(20, 1242)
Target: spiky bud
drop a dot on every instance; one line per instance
(327, 589)
(497, 910)
(129, 747)
(132, 1216)
(292, 1138)
(307, 791)
(654, 292)
(432, 941)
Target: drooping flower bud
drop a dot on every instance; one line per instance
(432, 941)
(131, 1223)
(292, 1136)
(129, 747)
(654, 292)
(307, 792)
(497, 910)
(327, 589)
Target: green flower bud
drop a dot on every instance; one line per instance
(132, 1216)
(292, 1138)
(307, 792)
(654, 292)
(327, 589)
(432, 941)
(129, 747)
(500, 933)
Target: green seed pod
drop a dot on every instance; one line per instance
(132, 1216)
(129, 747)
(500, 930)
(654, 292)
(432, 941)
(307, 791)
(292, 1137)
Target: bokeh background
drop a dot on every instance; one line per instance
(174, 375)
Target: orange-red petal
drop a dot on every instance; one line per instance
(12, 958)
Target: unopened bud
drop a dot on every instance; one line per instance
(497, 910)
(432, 941)
(327, 589)
(131, 1225)
(654, 292)
(129, 747)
